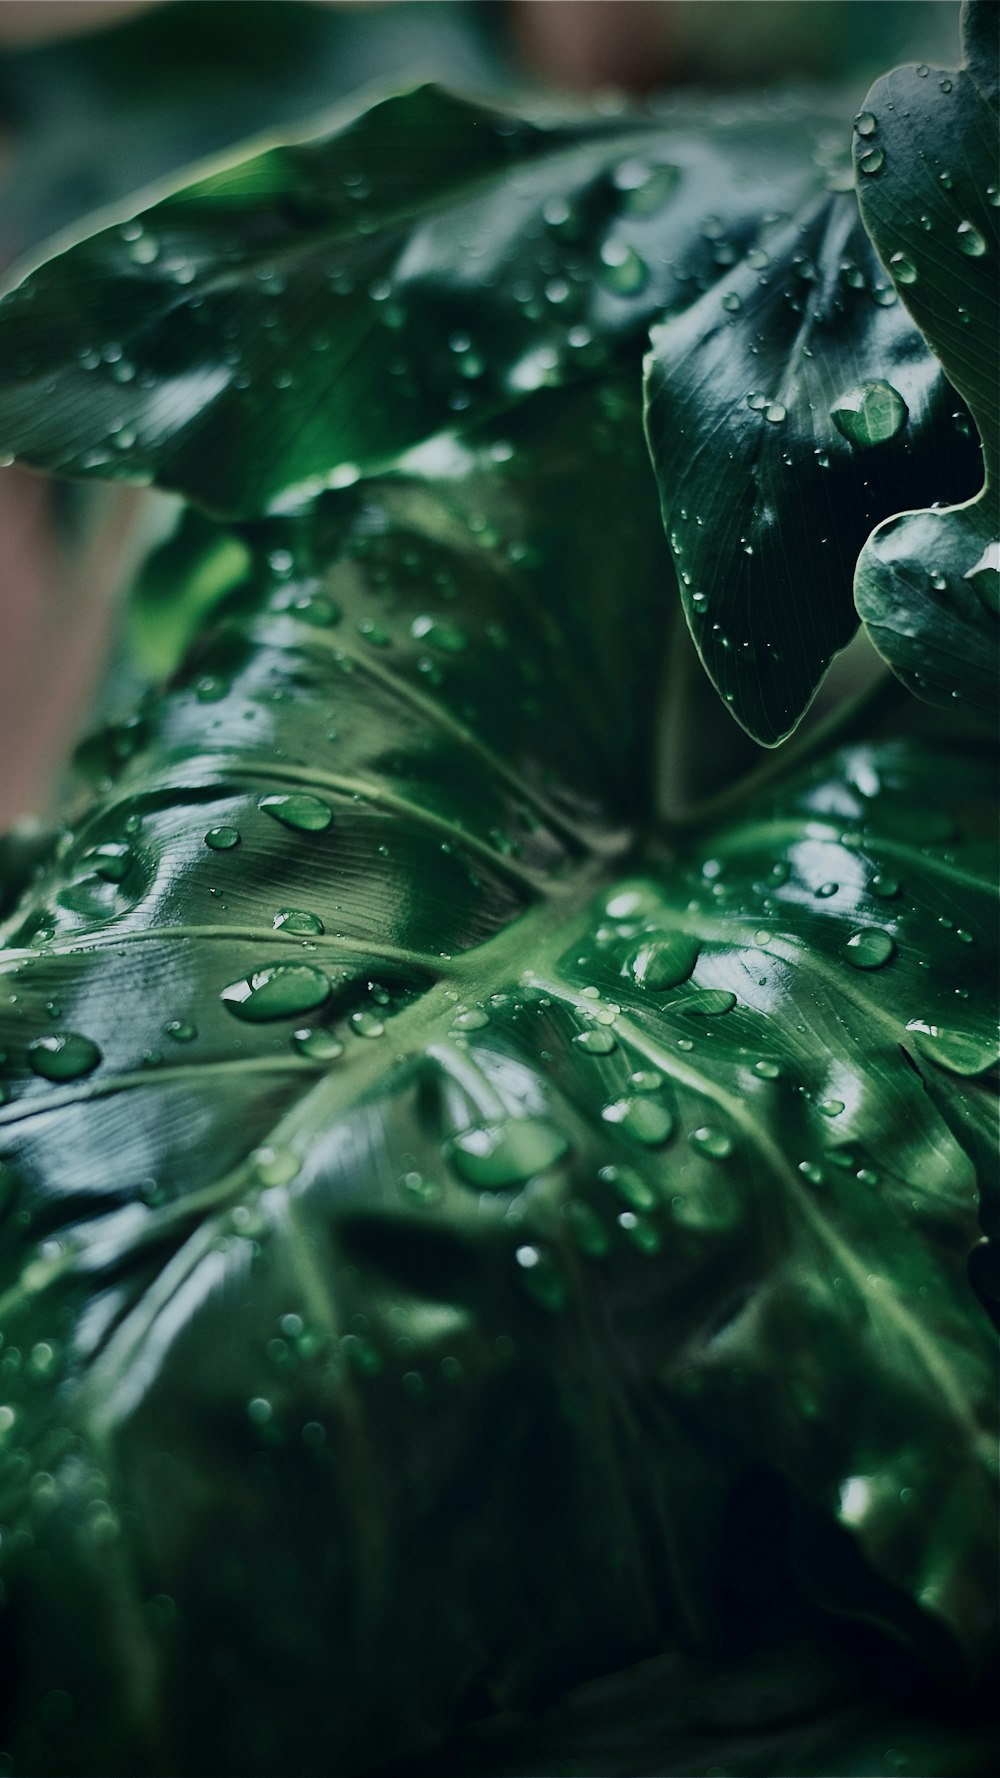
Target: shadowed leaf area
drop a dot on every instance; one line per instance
(456, 1247)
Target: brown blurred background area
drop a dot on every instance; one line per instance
(98, 98)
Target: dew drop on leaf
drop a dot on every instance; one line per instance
(317, 1044)
(872, 160)
(596, 1043)
(970, 240)
(64, 1055)
(870, 414)
(276, 991)
(903, 268)
(869, 948)
(623, 271)
(960, 1052)
(299, 810)
(664, 962)
(644, 1119)
(275, 1166)
(540, 1278)
(710, 1140)
(629, 1186)
(494, 1157)
(365, 1023)
(297, 920)
(222, 839)
(866, 123)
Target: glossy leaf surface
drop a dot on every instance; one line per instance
(413, 1193)
(928, 583)
(787, 410)
(315, 311)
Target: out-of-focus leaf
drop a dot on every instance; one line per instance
(321, 308)
(928, 583)
(427, 1219)
(788, 410)
(85, 125)
(178, 587)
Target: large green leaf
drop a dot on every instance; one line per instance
(292, 320)
(444, 1245)
(928, 583)
(788, 410)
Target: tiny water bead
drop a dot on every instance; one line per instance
(366, 1023)
(871, 413)
(276, 991)
(599, 1042)
(645, 1120)
(180, 1030)
(63, 1055)
(299, 810)
(869, 948)
(961, 1052)
(663, 962)
(712, 1141)
(222, 839)
(275, 1166)
(494, 1157)
(317, 1044)
(298, 920)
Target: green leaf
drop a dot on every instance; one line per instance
(178, 587)
(430, 1222)
(318, 310)
(787, 410)
(928, 583)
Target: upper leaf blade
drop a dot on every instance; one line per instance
(928, 583)
(787, 410)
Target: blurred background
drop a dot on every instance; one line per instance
(99, 98)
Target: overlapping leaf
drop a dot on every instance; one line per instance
(928, 583)
(410, 1198)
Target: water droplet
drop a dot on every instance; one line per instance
(319, 1045)
(305, 813)
(275, 1166)
(664, 962)
(872, 160)
(586, 1229)
(767, 1069)
(775, 411)
(472, 1018)
(903, 269)
(825, 891)
(448, 637)
(494, 1157)
(259, 1410)
(365, 1023)
(641, 1234)
(540, 1278)
(970, 240)
(869, 948)
(866, 123)
(623, 271)
(276, 991)
(886, 888)
(710, 1140)
(297, 920)
(222, 839)
(711, 1003)
(644, 1119)
(960, 1052)
(731, 302)
(64, 1055)
(596, 1043)
(870, 414)
(810, 1171)
(830, 1107)
(630, 1187)
(181, 1030)
(645, 189)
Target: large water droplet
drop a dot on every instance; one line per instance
(869, 414)
(493, 1157)
(276, 991)
(866, 123)
(308, 814)
(961, 1052)
(664, 962)
(644, 1119)
(222, 839)
(711, 1003)
(869, 948)
(710, 1140)
(63, 1055)
(596, 1043)
(872, 160)
(297, 920)
(970, 240)
(319, 1045)
(622, 269)
(902, 268)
